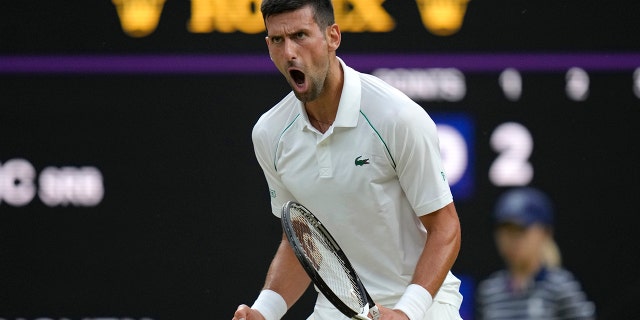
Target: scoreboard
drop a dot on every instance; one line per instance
(128, 185)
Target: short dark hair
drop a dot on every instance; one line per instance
(323, 9)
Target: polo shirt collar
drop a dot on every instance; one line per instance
(349, 106)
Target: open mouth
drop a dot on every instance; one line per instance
(298, 77)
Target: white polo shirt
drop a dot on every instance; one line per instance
(368, 178)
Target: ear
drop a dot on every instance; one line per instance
(266, 39)
(333, 37)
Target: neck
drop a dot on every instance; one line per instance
(523, 273)
(324, 109)
(322, 126)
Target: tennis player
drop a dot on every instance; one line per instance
(365, 159)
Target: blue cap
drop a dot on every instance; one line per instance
(524, 206)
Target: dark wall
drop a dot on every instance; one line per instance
(176, 222)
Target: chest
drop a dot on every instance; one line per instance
(347, 161)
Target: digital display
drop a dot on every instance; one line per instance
(128, 184)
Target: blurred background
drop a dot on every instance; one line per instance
(128, 185)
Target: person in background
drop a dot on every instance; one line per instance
(533, 285)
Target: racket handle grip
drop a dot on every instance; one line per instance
(375, 313)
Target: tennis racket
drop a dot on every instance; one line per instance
(325, 263)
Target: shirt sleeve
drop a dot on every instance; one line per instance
(416, 147)
(572, 299)
(265, 154)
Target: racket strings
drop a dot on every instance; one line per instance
(327, 263)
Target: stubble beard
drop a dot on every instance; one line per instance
(315, 89)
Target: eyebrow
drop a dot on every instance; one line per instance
(284, 35)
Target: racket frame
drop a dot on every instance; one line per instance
(297, 246)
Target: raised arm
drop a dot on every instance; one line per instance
(438, 256)
(441, 248)
(286, 277)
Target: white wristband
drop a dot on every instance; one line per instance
(415, 302)
(270, 304)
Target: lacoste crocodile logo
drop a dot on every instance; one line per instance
(361, 162)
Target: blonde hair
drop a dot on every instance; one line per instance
(551, 256)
